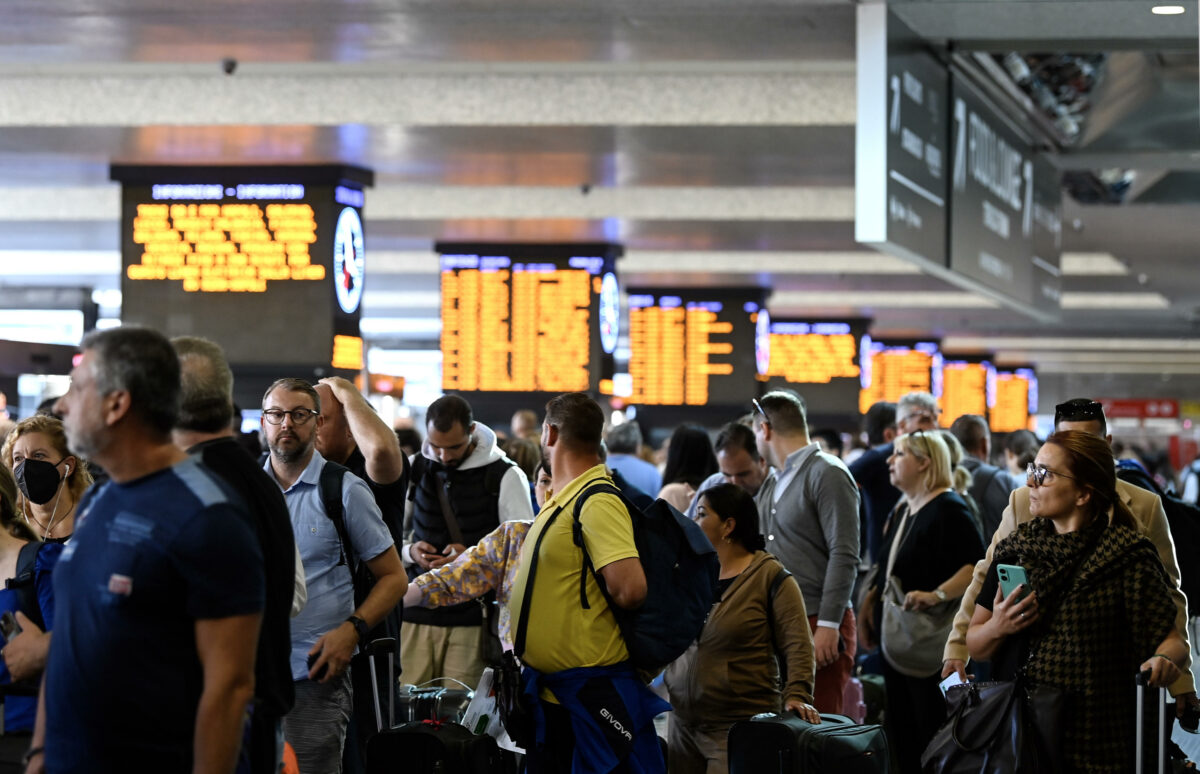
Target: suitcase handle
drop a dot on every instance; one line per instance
(382, 646)
(1143, 679)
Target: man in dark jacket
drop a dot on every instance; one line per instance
(990, 486)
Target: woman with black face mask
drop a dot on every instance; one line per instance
(50, 478)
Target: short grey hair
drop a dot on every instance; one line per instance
(919, 400)
(142, 362)
(624, 438)
(206, 403)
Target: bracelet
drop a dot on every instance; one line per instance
(1163, 655)
(31, 753)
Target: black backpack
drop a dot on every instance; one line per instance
(24, 583)
(1184, 520)
(681, 580)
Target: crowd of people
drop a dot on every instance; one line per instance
(144, 545)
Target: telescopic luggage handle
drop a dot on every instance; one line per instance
(384, 646)
(1143, 679)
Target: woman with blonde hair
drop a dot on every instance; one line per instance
(50, 477)
(929, 551)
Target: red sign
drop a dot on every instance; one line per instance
(1131, 408)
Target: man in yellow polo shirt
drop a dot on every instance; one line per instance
(594, 714)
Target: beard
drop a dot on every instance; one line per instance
(293, 454)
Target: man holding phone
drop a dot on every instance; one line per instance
(1084, 415)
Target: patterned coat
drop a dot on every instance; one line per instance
(1098, 625)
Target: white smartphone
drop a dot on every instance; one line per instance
(951, 681)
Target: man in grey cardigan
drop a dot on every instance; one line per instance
(808, 508)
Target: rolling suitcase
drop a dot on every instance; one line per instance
(434, 746)
(1155, 753)
(770, 743)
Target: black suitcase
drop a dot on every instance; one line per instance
(434, 746)
(1155, 752)
(786, 744)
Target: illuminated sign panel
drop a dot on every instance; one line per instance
(892, 369)
(818, 359)
(266, 261)
(694, 347)
(528, 318)
(1016, 400)
(965, 389)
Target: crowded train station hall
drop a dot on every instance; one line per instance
(600, 386)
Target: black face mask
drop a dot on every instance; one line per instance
(38, 479)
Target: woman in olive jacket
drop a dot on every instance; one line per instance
(730, 673)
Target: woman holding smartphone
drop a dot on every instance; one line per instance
(1098, 609)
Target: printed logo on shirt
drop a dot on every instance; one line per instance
(616, 724)
(120, 584)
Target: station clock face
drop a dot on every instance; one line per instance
(349, 260)
(610, 313)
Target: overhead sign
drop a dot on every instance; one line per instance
(1013, 401)
(1047, 234)
(818, 359)
(223, 252)
(696, 346)
(900, 140)
(891, 369)
(965, 386)
(528, 317)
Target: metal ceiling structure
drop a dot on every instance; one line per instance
(714, 140)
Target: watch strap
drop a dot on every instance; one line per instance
(360, 626)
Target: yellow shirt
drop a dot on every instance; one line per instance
(561, 633)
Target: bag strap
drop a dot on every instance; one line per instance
(1001, 718)
(24, 583)
(443, 493)
(597, 487)
(778, 580)
(332, 480)
(523, 620)
(902, 530)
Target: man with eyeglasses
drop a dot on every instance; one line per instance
(462, 486)
(327, 632)
(1082, 415)
(808, 508)
(914, 411)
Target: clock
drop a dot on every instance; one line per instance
(610, 313)
(349, 262)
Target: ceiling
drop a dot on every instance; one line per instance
(715, 140)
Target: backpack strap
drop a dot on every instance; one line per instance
(24, 583)
(332, 478)
(527, 597)
(577, 535)
(778, 580)
(495, 473)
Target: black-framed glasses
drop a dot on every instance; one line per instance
(299, 416)
(758, 407)
(1037, 474)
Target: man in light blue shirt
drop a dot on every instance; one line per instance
(623, 443)
(329, 629)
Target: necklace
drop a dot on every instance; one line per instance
(49, 525)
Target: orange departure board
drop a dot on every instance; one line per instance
(819, 359)
(528, 318)
(1015, 400)
(964, 389)
(269, 262)
(892, 369)
(694, 347)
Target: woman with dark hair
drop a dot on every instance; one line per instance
(1100, 607)
(730, 673)
(690, 460)
(1020, 448)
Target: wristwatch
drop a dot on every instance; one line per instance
(361, 627)
(941, 595)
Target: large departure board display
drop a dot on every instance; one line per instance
(695, 346)
(818, 359)
(519, 318)
(965, 388)
(269, 262)
(891, 369)
(1014, 401)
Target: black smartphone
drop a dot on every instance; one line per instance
(8, 625)
(324, 668)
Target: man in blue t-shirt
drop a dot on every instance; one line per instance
(159, 592)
